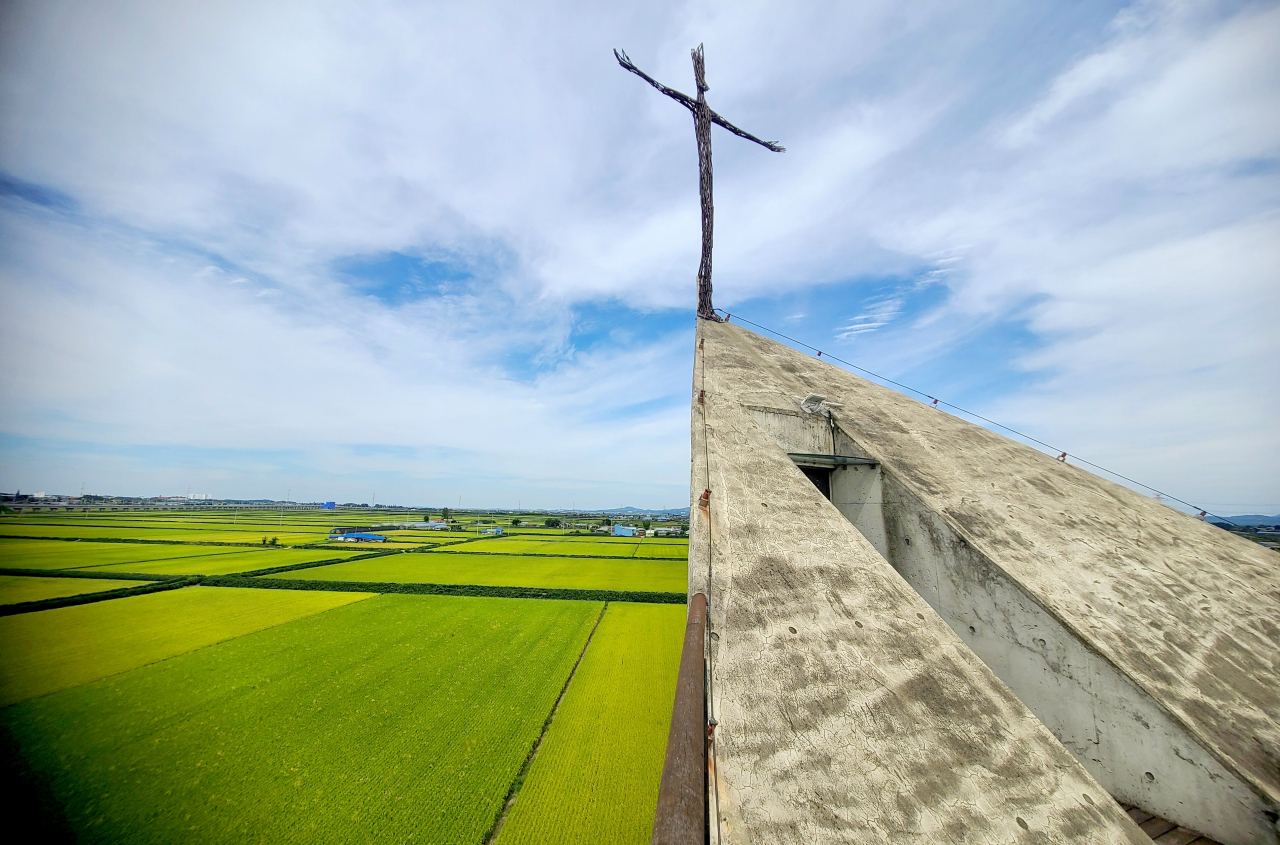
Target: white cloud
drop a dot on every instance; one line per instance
(880, 311)
(112, 349)
(1108, 175)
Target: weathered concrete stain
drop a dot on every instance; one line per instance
(1123, 738)
(848, 710)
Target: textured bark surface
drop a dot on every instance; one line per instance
(703, 117)
(702, 130)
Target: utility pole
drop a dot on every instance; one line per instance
(703, 117)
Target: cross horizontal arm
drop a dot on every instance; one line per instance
(768, 145)
(683, 99)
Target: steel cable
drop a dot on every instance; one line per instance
(936, 401)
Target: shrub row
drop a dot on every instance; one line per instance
(645, 597)
(453, 542)
(80, 573)
(90, 598)
(539, 554)
(141, 541)
(312, 564)
(168, 582)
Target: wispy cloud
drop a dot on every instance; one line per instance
(879, 311)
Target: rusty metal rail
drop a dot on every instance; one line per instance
(681, 817)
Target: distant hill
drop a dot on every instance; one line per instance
(630, 511)
(626, 512)
(1254, 519)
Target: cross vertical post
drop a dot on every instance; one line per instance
(703, 117)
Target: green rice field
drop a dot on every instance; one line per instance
(228, 564)
(400, 718)
(156, 559)
(591, 781)
(170, 534)
(667, 576)
(59, 554)
(593, 548)
(52, 650)
(205, 712)
(396, 541)
(14, 589)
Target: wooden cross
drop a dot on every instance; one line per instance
(703, 117)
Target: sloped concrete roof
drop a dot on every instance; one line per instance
(848, 710)
(873, 721)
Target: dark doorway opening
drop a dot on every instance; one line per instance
(821, 478)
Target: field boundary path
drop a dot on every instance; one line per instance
(258, 578)
(154, 586)
(535, 554)
(145, 542)
(311, 564)
(253, 581)
(492, 591)
(456, 541)
(517, 782)
(82, 573)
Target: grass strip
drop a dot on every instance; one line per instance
(312, 564)
(535, 554)
(518, 781)
(659, 576)
(17, 589)
(82, 573)
(250, 579)
(427, 545)
(90, 598)
(42, 554)
(187, 525)
(644, 597)
(140, 541)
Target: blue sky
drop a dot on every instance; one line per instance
(444, 252)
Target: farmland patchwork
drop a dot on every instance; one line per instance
(211, 709)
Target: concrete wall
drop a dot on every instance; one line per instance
(795, 431)
(1121, 736)
(848, 711)
(1131, 745)
(857, 492)
(850, 708)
